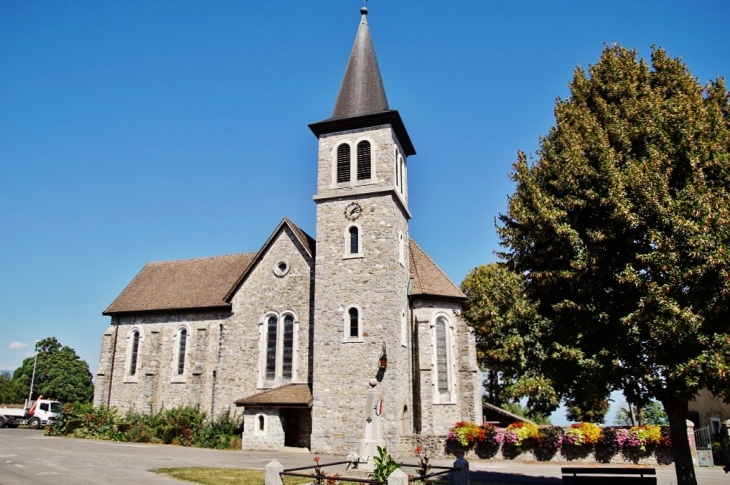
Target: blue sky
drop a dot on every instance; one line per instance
(136, 131)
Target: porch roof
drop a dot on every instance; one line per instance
(289, 396)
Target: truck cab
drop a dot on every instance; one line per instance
(46, 412)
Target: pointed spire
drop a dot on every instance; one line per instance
(362, 89)
(362, 102)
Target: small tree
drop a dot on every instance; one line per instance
(652, 413)
(11, 391)
(60, 373)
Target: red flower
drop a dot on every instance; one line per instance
(316, 460)
(418, 449)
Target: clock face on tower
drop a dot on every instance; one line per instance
(353, 211)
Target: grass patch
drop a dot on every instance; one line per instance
(241, 476)
(228, 476)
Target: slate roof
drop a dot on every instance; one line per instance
(362, 90)
(361, 102)
(290, 395)
(428, 279)
(184, 284)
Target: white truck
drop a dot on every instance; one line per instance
(42, 413)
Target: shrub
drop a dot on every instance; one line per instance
(583, 434)
(643, 436)
(384, 465)
(463, 433)
(521, 434)
(550, 438)
(185, 426)
(489, 436)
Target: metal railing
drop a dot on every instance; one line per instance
(335, 478)
(703, 439)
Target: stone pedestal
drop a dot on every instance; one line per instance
(373, 429)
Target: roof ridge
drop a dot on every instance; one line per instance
(219, 256)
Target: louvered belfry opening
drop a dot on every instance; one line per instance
(343, 163)
(363, 160)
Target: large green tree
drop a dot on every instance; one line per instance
(60, 373)
(621, 229)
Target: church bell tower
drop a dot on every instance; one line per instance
(362, 267)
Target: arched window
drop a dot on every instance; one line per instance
(396, 156)
(363, 160)
(353, 244)
(134, 352)
(354, 323)
(354, 240)
(442, 361)
(260, 426)
(271, 333)
(286, 371)
(343, 163)
(278, 349)
(402, 167)
(443, 376)
(352, 319)
(182, 342)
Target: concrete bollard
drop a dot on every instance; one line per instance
(398, 477)
(272, 473)
(460, 476)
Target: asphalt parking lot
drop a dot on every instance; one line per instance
(29, 457)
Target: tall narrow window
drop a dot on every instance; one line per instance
(397, 166)
(401, 249)
(442, 360)
(271, 332)
(181, 352)
(363, 160)
(134, 353)
(354, 323)
(286, 371)
(343, 163)
(354, 240)
(402, 166)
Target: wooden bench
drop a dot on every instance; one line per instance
(608, 476)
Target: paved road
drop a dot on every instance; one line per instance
(28, 457)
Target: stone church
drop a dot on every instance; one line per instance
(319, 343)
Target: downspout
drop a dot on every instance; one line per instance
(111, 373)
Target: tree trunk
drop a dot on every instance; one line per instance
(676, 410)
(632, 415)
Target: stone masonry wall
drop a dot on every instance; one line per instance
(437, 418)
(264, 293)
(156, 384)
(375, 283)
(271, 438)
(383, 142)
(223, 352)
